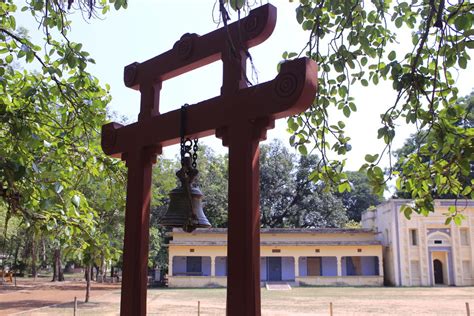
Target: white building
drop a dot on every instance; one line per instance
(423, 251)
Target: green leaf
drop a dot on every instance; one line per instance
(76, 200)
(347, 111)
(237, 4)
(341, 78)
(292, 125)
(463, 22)
(339, 66)
(12, 22)
(375, 79)
(371, 158)
(407, 211)
(118, 4)
(302, 149)
(457, 220)
(71, 62)
(392, 55)
(58, 188)
(308, 25)
(399, 22)
(299, 15)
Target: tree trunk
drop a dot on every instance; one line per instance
(33, 258)
(15, 260)
(102, 267)
(43, 253)
(96, 273)
(104, 272)
(92, 272)
(58, 274)
(88, 275)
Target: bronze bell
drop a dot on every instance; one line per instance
(185, 208)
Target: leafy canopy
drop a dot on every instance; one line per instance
(53, 174)
(355, 44)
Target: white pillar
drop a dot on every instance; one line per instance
(213, 266)
(170, 266)
(297, 267)
(339, 266)
(380, 265)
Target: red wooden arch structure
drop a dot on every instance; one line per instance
(240, 116)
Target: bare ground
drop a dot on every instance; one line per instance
(31, 295)
(105, 300)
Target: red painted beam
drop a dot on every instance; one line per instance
(291, 92)
(193, 51)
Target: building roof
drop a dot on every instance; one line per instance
(280, 243)
(286, 231)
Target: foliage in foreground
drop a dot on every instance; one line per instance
(63, 195)
(359, 43)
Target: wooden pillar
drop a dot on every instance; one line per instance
(136, 240)
(243, 251)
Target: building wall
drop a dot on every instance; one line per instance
(409, 264)
(215, 255)
(359, 280)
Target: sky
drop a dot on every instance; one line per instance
(148, 28)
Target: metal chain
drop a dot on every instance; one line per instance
(195, 156)
(186, 142)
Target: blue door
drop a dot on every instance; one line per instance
(274, 268)
(194, 265)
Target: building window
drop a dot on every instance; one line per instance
(413, 237)
(276, 250)
(464, 237)
(438, 242)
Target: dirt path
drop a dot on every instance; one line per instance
(29, 295)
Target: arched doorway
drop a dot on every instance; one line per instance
(438, 271)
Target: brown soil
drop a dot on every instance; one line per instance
(29, 294)
(57, 299)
